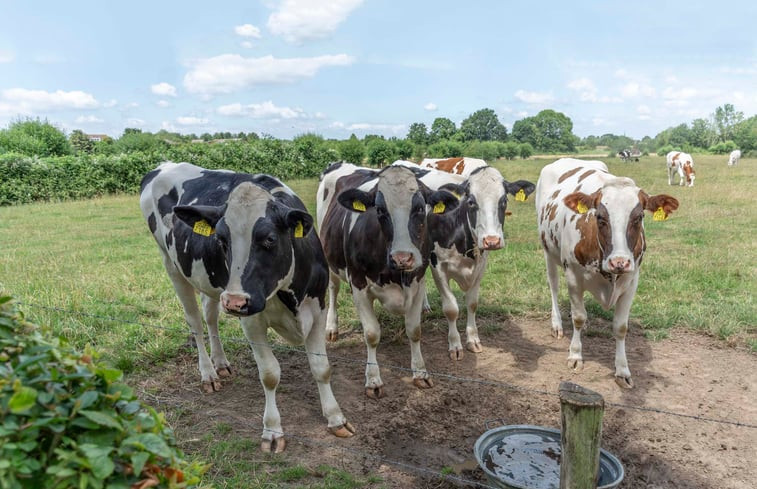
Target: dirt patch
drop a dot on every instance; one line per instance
(434, 430)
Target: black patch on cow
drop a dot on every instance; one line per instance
(151, 223)
(455, 228)
(169, 238)
(167, 202)
(147, 179)
(332, 167)
(325, 194)
(434, 260)
(288, 299)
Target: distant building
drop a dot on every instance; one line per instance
(96, 138)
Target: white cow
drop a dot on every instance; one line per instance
(734, 158)
(682, 163)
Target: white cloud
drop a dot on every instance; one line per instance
(266, 110)
(587, 92)
(598, 121)
(246, 44)
(302, 20)
(88, 119)
(635, 89)
(231, 72)
(522, 114)
(582, 84)
(110, 103)
(247, 30)
(27, 102)
(643, 109)
(167, 126)
(190, 121)
(680, 97)
(131, 105)
(621, 73)
(6, 56)
(430, 107)
(164, 89)
(163, 103)
(534, 97)
(133, 121)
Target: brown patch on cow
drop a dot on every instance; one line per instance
(451, 165)
(554, 195)
(635, 232)
(584, 175)
(569, 174)
(688, 171)
(543, 240)
(552, 208)
(587, 249)
(578, 189)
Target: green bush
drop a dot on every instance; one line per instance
(511, 150)
(722, 148)
(380, 152)
(352, 150)
(66, 420)
(34, 137)
(525, 150)
(446, 148)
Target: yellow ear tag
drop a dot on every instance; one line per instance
(659, 215)
(299, 230)
(439, 208)
(358, 206)
(202, 227)
(456, 195)
(581, 208)
(520, 196)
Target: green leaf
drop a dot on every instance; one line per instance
(150, 442)
(101, 418)
(22, 400)
(87, 399)
(99, 459)
(138, 461)
(109, 374)
(127, 393)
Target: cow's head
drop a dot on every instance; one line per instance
(256, 236)
(613, 216)
(484, 198)
(400, 202)
(688, 171)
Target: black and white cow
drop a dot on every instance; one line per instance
(373, 229)
(462, 239)
(245, 242)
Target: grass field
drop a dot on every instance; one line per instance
(92, 271)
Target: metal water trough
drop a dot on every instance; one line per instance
(528, 457)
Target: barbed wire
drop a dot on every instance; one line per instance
(354, 361)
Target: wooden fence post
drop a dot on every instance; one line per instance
(581, 413)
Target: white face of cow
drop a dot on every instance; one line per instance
(490, 202)
(619, 215)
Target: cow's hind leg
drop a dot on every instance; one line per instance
(553, 278)
(332, 319)
(315, 345)
(269, 372)
(210, 307)
(186, 294)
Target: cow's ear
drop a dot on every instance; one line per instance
(661, 205)
(192, 214)
(580, 202)
(521, 189)
(356, 200)
(457, 190)
(442, 202)
(300, 222)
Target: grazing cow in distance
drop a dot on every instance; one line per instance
(734, 157)
(246, 243)
(591, 225)
(460, 165)
(625, 155)
(463, 238)
(683, 164)
(373, 229)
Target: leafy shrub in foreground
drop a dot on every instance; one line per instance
(67, 422)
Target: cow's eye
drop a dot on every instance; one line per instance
(472, 203)
(418, 209)
(269, 241)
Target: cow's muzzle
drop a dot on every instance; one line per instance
(492, 243)
(619, 265)
(240, 304)
(403, 260)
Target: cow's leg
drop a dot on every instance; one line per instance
(315, 345)
(269, 373)
(413, 330)
(619, 330)
(186, 294)
(426, 303)
(670, 176)
(578, 314)
(210, 307)
(553, 278)
(473, 343)
(451, 311)
(374, 387)
(681, 178)
(332, 320)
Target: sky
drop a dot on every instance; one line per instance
(334, 68)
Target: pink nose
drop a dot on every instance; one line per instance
(403, 260)
(620, 265)
(233, 302)
(492, 242)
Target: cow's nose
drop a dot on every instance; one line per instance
(403, 260)
(492, 242)
(620, 265)
(233, 302)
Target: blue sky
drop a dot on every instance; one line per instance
(285, 67)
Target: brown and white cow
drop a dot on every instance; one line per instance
(683, 164)
(373, 229)
(459, 165)
(591, 224)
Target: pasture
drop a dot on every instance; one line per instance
(92, 271)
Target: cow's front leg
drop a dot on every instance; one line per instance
(332, 319)
(269, 373)
(620, 329)
(473, 343)
(374, 387)
(210, 308)
(315, 345)
(451, 311)
(578, 314)
(413, 329)
(553, 279)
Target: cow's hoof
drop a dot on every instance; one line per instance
(557, 333)
(277, 445)
(332, 335)
(375, 392)
(624, 382)
(474, 346)
(423, 383)
(456, 354)
(426, 309)
(576, 364)
(211, 386)
(224, 371)
(345, 430)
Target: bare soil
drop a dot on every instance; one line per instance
(411, 435)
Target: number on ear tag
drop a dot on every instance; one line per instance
(299, 230)
(439, 208)
(659, 215)
(203, 228)
(581, 208)
(358, 206)
(520, 196)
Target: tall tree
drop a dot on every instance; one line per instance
(80, 142)
(702, 133)
(726, 118)
(442, 128)
(484, 126)
(417, 133)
